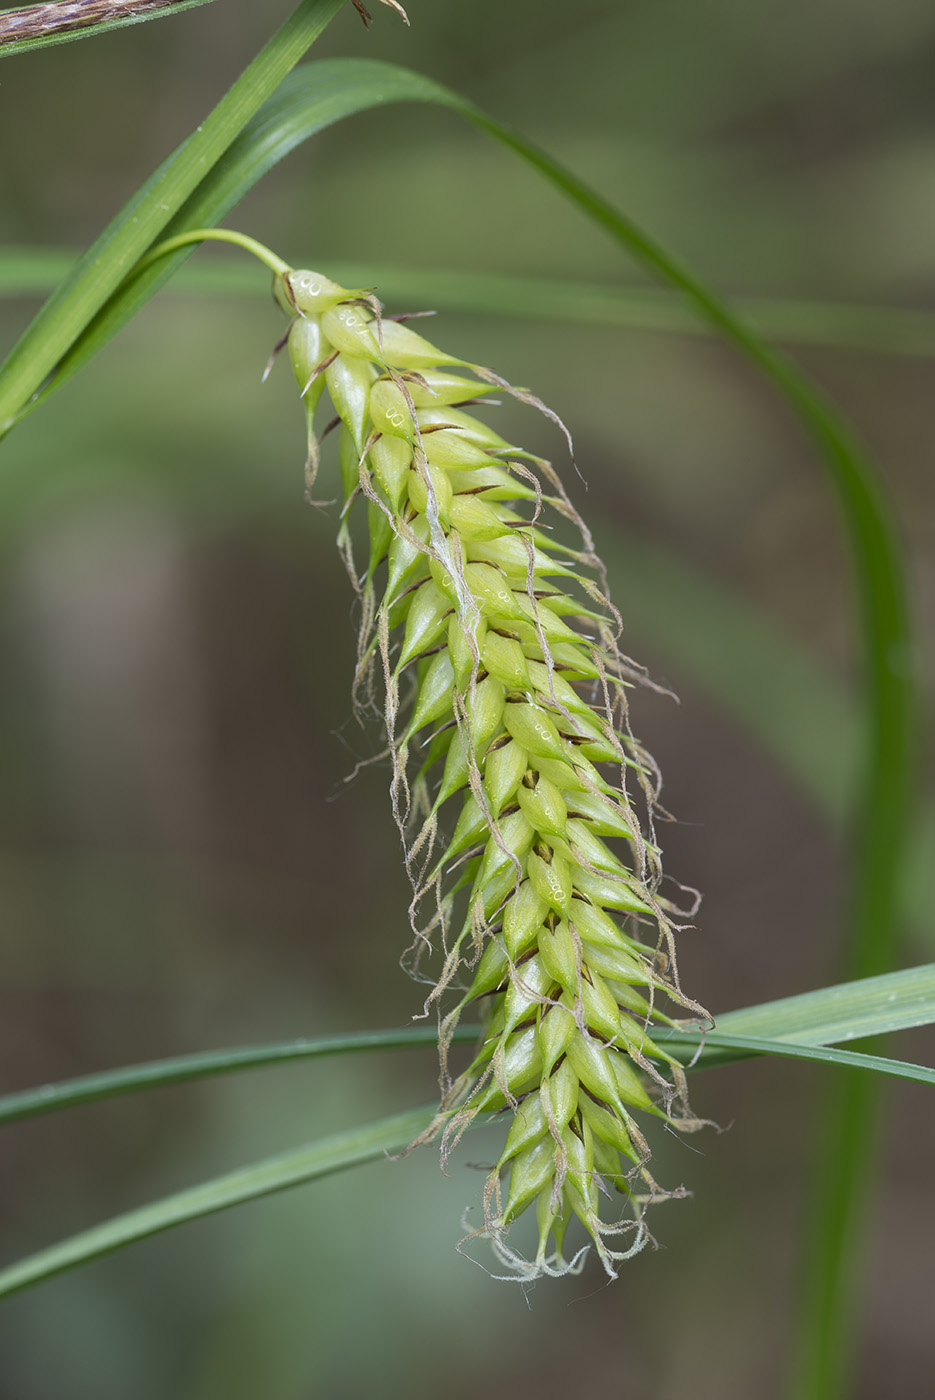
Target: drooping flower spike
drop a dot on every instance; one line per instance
(503, 695)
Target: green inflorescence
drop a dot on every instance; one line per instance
(498, 654)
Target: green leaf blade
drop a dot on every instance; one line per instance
(856, 1010)
(182, 1069)
(720, 1049)
(264, 1178)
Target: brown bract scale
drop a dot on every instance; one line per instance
(366, 16)
(490, 650)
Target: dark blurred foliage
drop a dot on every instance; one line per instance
(183, 862)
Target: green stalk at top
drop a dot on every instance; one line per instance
(116, 252)
(216, 235)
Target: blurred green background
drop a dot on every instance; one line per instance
(183, 864)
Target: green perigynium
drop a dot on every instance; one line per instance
(503, 697)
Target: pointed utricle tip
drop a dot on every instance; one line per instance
(312, 292)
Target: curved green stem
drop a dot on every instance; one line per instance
(218, 235)
(112, 258)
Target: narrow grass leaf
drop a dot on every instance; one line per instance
(69, 1093)
(277, 1173)
(344, 1150)
(857, 1010)
(725, 1049)
(798, 1024)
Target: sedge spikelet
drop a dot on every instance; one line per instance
(492, 651)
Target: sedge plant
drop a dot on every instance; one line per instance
(489, 649)
(503, 696)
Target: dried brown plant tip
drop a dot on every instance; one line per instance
(68, 16)
(366, 16)
(493, 653)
